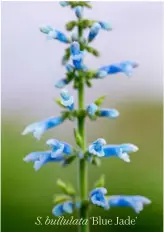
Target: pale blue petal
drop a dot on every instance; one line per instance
(109, 113)
(94, 30)
(79, 11)
(61, 83)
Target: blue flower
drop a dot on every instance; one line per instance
(94, 30)
(91, 109)
(79, 11)
(126, 67)
(55, 34)
(65, 207)
(97, 197)
(109, 113)
(45, 29)
(105, 26)
(38, 128)
(69, 68)
(77, 55)
(135, 202)
(59, 147)
(96, 148)
(61, 83)
(67, 100)
(121, 151)
(40, 158)
(64, 3)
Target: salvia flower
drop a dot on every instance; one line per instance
(74, 36)
(109, 113)
(91, 109)
(96, 148)
(125, 67)
(38, 128)
(59, 147)
(61, 83)
(55, 34)
(76, 55)
(67, 100)
(106, 26)
(135, 202)
(65, 207)
(97, 197)
(79, 11)
(64, 3)
(94, 30)
(40, 158)
(121, 151)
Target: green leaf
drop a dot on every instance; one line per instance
(100, 182)
(92, 51)
(58, 101)
(70, 25)
(62, 185)
(61, 198)
(70, 190)
(100, 100)
(78, 138)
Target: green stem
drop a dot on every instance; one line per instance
(83, 177)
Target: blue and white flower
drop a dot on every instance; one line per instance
(41, 158)
(97, 197)
(61, 83)
(94, 30)
(121, 151)
(55, 34)
(91, 109)
(109, 113)
(67, 100)
(65, 207)
(79, 11)
(76, 55)
(135, 202)
(125, 67)
(59, 147)
(106, 26)
(45, 29)
(96, 148)
(38, 128)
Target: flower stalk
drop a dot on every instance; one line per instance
(64, 153)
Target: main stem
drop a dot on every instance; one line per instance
(83, 181)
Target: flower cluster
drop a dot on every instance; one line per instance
(64, 153)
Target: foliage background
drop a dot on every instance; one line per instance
(30, 66)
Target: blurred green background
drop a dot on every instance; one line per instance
(26, 194)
